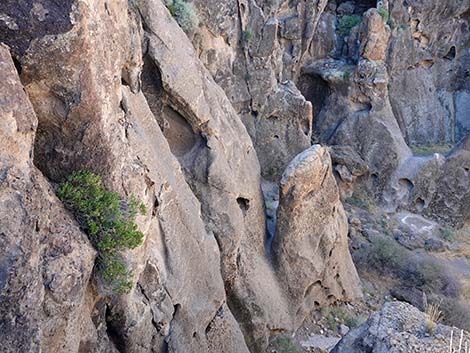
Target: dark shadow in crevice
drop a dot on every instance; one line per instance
(315, 90)
(113, 332)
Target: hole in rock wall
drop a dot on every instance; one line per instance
(406, 184)
(175, 127)
(112, 331)
(243, 203)
(419, 203)
(315, 90)
(450, 54)
(179, 133)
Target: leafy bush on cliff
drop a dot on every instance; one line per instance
(185, 14)
(108, 220)
(347, 22)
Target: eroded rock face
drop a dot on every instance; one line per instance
(222, 169)
(119, 90)
(254, 50)
(428, 64)
(89, 120)
(46, 261)
(355, 111)
(450, 202)
(398, 327)
(310, 246)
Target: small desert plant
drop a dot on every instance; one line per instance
(447, 233)
(434, 314)
(108, 220)
(342, 315)
(361, 200)
(347, 22)
(185, 14)
(384, 13)
(430, 149)
(247, 35)
(285, 344)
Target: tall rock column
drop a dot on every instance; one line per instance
(310, 245)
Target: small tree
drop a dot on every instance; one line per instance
(108, 220)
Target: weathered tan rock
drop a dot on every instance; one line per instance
(310, 246)
(252, 49)
(375, 35)
(347, 166)
(89, 120)
(45, 260)
(221, 166)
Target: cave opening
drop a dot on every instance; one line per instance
(316, 90)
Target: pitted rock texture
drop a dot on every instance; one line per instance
(89, 120)
(310, 244)
(46, 261)
(254, 50)
(400, 327)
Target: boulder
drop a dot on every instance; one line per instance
(400, 327)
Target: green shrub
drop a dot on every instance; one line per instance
(447, 233)
(247, 35)
(360, 199)
(384, 13)
(284, 344)
(108, 220)
(185, 14)
(333, 313)
(347, 22)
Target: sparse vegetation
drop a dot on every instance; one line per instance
(360, 199)
(247, 35)
(430, 149)
(335, 315)
(347, 22)
(185, 14)
(384, 13)
(434, 316)
(108, 220)
(447, 233)
(423, 273)
(346, 75)
(284, 344)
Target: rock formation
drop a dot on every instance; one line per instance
(46, 261)
(400, 327)
(310, 245)
(193, 121)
